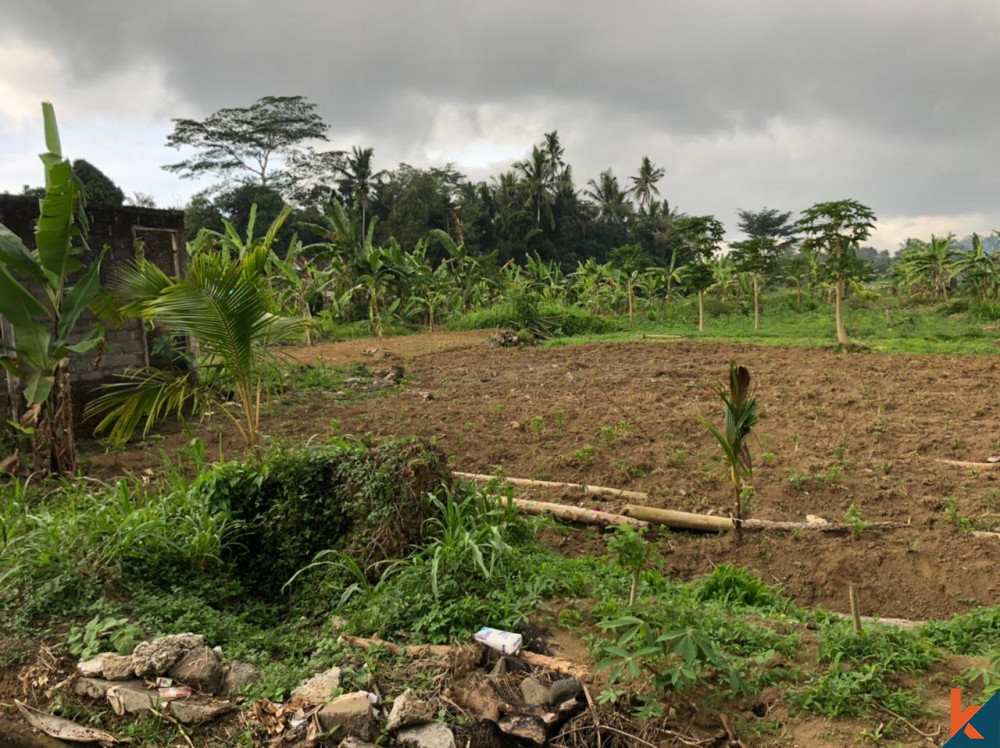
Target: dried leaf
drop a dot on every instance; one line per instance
(64, 729)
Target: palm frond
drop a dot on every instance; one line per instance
(146, 394)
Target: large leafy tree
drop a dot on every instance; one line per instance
(771, 235)
(97, 186)
(768, 223)
(244, 142)
(700, 237)
(43, 307)
(836, 229)
(644, 183)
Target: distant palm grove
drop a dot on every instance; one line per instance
(352, 243)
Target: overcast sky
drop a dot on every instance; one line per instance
(745, 103)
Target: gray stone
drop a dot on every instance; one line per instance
(350, 715)
(94, 688)
(318, 689)
(565, 689)
(238, 676)
(434, 735)
(151, 659)
(201, 669)
(534, 693)
(355, 743)
(117, 667)
(190, 711)
(408, 710)
(132, 697)
(94, 667)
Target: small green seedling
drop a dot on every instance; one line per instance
(632, 551)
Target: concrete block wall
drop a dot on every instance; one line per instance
(158, 234)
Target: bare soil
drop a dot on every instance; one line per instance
(885, 420)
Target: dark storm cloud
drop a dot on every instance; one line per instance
(749, 103)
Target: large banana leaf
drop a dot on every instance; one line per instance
(15, 255)
(78, 298)
(24, 312)
(55, 231)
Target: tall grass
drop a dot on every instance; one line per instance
(65, 540)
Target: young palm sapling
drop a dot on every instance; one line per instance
(741, 417)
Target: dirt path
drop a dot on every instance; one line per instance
(400, 347)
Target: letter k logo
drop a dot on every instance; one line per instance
(960, 718)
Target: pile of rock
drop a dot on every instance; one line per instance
(178, 675)
(356, 719)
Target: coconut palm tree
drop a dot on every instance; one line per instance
(226, 304)
(554, 150)
(539, 179)
(612, 201)
(359, 180)
(644, 184)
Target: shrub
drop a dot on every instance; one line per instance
(368, 502)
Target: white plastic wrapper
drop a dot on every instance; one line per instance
(506, 642)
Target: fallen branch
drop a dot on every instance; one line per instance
(707, 523)
(902, 623)
(576, 514)
(595, 490)
(760, 525)
(443, 650)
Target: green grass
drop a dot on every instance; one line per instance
(915, 330)
(165, 558)
(333, 331)
(558, 319)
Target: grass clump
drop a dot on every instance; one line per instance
(482, 565)
(736, 587)
(970, 633)
(541, 319)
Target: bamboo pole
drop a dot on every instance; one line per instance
(678, 520)
(576, 514)
(707, 523)
(595, 490)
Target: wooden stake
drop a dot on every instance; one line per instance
(855, 611)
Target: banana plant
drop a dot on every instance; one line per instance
(299, 280)
(43, 308)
